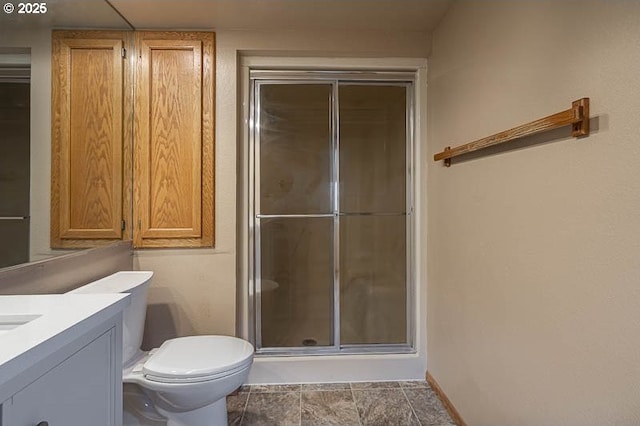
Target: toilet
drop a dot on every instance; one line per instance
(185, 381)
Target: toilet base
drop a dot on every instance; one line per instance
(138, 409)
(211, 415)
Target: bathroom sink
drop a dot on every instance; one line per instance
(10, 322)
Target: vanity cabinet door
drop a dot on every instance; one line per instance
(80, 391)
(174, 139)
(89, 133)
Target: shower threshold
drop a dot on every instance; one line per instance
(331, 368)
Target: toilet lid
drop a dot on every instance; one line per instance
(197, 357)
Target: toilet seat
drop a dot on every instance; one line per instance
(197, 359)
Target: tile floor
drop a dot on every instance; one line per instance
(343, 404)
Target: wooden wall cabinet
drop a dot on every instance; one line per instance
(90, 139)
(150, 179)
(173, 134)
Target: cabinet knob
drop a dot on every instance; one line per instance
(43, 423)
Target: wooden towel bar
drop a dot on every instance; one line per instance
(577, 116)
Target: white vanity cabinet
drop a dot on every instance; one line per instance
(74, 378)
(78, 391)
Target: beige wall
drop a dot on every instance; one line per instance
(534, 252)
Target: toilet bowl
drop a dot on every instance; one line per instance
(185, 380)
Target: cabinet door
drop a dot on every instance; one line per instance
(174, 139)
(89, 157)
(77, 392)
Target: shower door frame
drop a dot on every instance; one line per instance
(334, 79)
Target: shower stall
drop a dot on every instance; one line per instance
(331, 212)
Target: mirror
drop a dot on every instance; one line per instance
(25, 117)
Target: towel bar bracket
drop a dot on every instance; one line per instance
(581, 112)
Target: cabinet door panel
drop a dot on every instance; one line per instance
(77, 392)
(87, 138)
(173, 164)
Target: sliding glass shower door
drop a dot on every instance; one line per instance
(295, 215)
(331, 213)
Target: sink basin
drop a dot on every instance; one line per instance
(10, 322)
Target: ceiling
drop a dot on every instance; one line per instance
(328, 15)
(386, 15)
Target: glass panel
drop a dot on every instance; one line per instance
(297, 281)
(14, 149)
(14, 245)
(372, 279)
(295, 148)
(372, 148)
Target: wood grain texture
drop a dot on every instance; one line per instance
(174, 139)
(94, 178)
(445, 400)
(578, 113)
(89, 138)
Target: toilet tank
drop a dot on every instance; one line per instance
(135, 283)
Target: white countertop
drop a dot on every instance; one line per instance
(55, 321)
